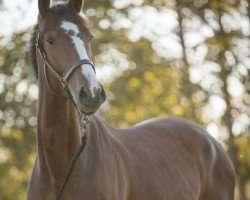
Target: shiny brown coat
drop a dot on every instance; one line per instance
(158, 159)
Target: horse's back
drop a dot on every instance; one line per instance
(178, 158)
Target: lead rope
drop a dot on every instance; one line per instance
(85, 123)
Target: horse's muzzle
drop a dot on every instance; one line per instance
(91, 100)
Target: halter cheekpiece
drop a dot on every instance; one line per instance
(64, 80)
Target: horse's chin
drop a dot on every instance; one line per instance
(87, 111)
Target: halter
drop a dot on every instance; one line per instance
(64, 81)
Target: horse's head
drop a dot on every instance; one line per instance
(64, 42)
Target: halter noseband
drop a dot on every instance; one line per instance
(84, 118)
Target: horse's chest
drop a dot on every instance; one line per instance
(78, 188)
(76, 193)
(94, 193)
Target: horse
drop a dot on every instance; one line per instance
(164, 158)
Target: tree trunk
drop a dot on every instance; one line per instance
(187, 88)
(227, 118)
(242, 189)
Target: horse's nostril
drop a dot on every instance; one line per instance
(92, 99)
(83, 93)
(103, 95)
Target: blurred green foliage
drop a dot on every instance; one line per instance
(149, 85)
(17, 117)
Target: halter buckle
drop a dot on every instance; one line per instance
(64, 83)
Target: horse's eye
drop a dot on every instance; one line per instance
(51, 41)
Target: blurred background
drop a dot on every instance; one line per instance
(187, 58)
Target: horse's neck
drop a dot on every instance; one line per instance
(58, 134)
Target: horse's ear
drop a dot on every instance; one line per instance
(76, 5)
(43, 6)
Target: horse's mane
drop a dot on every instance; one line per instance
(54, 11)
(33, 49)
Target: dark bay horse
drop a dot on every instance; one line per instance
(158, 159)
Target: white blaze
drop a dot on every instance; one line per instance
(72, 31)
